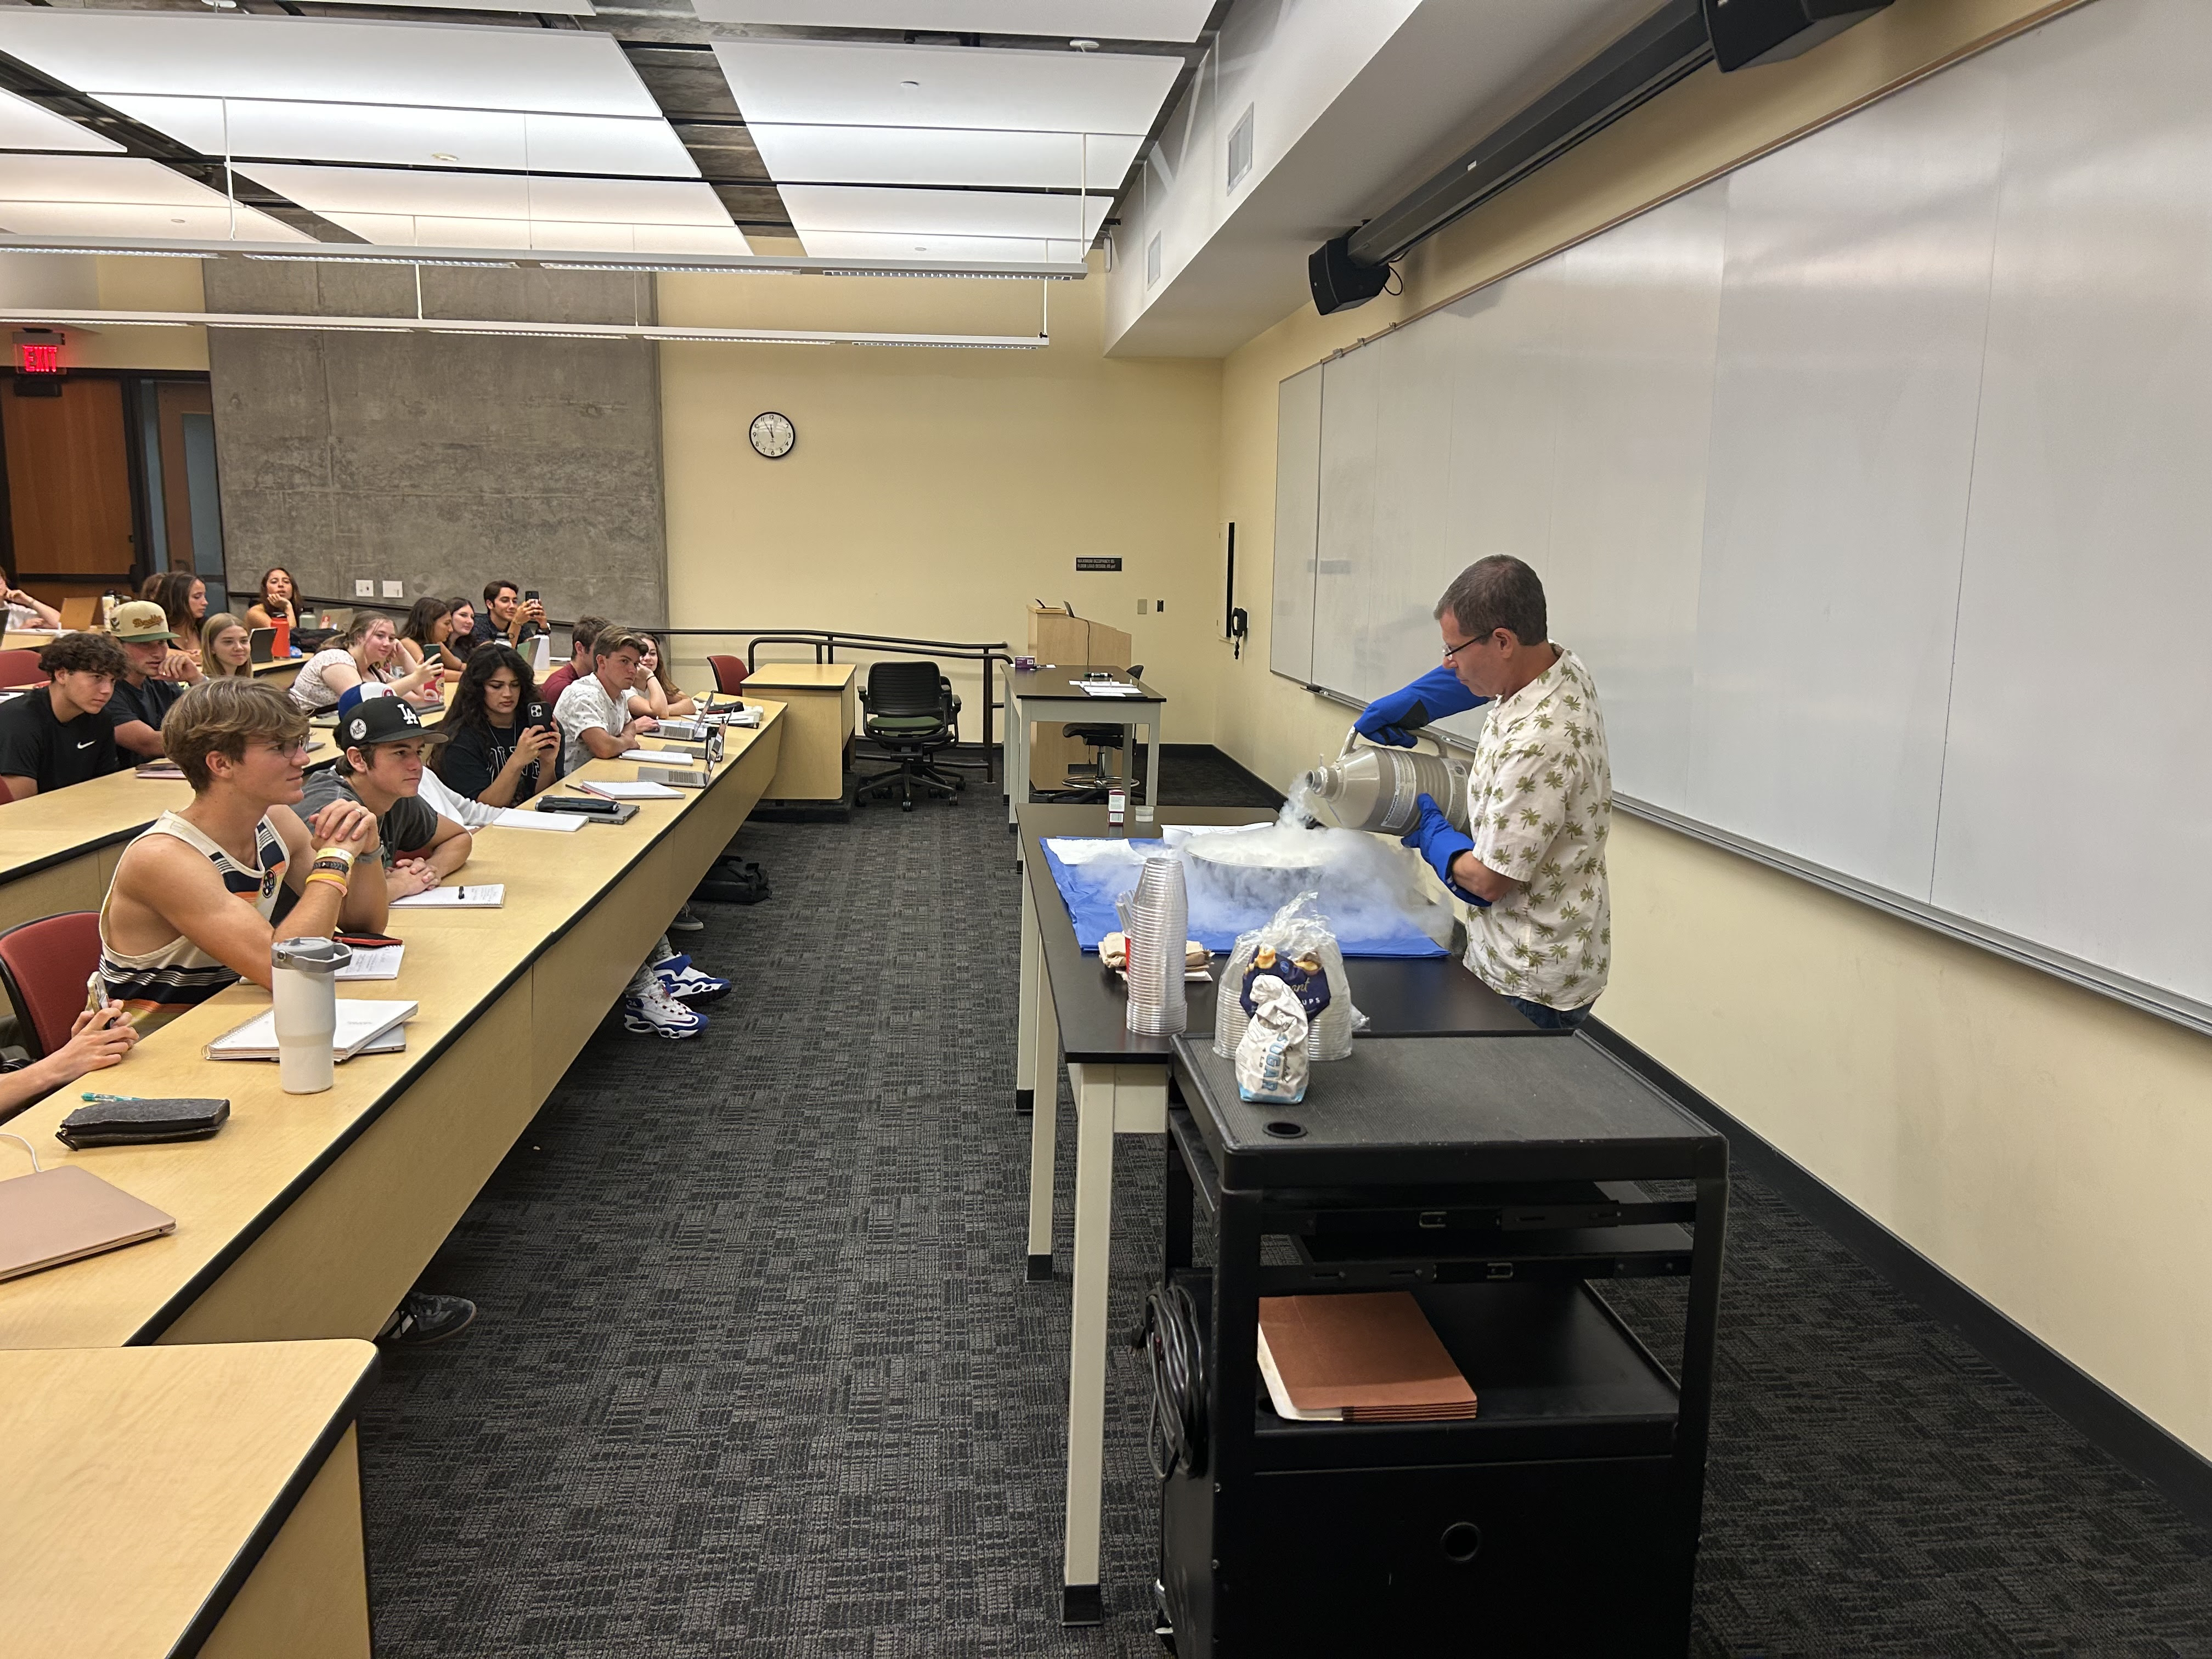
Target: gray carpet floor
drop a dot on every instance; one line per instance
(757, 1373)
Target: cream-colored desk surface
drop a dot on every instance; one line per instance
(183, 1500)
(310, 1215)
(823, 703)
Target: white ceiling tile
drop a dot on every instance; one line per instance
(880, 244)
(198, 223)
(942, 212)
(27, 125)
(1105, 20)
(945, 155)
(490, 195)
(462, 66)
(515, 235)
(409, 135)
(852, 84)
(98, 178)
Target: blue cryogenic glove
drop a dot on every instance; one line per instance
(1439, 845)
(1394, 719)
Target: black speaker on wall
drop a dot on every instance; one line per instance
(1748, 31)
(1339, 284)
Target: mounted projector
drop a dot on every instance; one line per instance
(1745, 32)
(1338, 284)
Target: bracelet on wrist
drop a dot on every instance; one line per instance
(328, 877)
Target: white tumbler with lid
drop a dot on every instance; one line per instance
(1159, 925)
(305, 992)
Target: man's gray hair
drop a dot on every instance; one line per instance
(1498, 591)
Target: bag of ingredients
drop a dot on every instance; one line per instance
(1301, 935)
(1271, 1056)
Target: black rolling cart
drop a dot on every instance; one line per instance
(1495, 1182)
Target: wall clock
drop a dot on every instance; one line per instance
(773, 434)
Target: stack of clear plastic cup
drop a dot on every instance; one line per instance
(1159, 925)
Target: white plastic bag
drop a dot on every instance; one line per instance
(1271, 1059)
(1297, 933)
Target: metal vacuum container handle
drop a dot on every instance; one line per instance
(1377, 789)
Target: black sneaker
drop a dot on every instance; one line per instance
(422, 1319)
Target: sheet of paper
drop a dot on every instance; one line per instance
(373, 962)
(560, 822)
(632, 791)
(456, 898)
(1107, 689)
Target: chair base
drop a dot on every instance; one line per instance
(904, 779)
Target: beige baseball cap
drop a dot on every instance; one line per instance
(142, 622)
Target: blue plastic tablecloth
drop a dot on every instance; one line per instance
(1090, 901)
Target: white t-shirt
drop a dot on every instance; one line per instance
(309, 689)
(1539, 807)
(583, 705)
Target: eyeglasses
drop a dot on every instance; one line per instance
(297, 746)
(1451, 651)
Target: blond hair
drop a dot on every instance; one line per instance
(220, 717)
(211, 630)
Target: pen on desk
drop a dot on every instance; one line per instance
(117, 1099)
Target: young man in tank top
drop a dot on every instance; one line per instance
(174, 931)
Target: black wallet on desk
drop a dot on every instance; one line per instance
(132, 1122)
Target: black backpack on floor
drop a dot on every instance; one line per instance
(732, 881)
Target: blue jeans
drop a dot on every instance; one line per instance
(1552, 1019)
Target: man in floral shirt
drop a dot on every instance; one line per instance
(1539, 796)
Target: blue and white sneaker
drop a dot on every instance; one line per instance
(653, 1012)
(686, 983)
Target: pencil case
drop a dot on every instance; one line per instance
(135, 1122)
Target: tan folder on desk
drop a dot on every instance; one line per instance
(1370, 1357)
(60, 1214)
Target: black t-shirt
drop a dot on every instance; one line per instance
(147, 702)
(476, 755)
(404, 830)
(52, 753)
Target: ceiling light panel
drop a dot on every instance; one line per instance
(945, 155)
(27, 125)
(428, 208)
(406, 136)
(565, 8)
(121, 196)
(322, 60)
(1108, 20)
(852, 84)
(942, 212)
(973, 250)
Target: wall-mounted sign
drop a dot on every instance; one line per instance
(1098, 564)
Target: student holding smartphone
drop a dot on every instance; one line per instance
(505, 746)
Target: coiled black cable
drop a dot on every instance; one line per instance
(1175, 1346)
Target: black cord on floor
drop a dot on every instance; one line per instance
(1174, 1347)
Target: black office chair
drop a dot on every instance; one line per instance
(1089, 782)
(909, 714)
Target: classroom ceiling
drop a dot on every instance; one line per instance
(914, 130)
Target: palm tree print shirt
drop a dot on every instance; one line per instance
(1540, 806)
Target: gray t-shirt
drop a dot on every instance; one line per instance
(406, 830)
(584, 705)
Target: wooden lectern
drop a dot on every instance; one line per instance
(1057, 635)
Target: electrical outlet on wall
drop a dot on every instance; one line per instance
(363, 588)
(1159, 604)
(395, 590)
(1143, 607)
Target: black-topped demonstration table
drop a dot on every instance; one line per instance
(1071, 1005)
(1048, 694)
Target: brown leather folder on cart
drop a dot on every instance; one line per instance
(1357, 1358)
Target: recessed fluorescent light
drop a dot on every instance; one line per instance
(564, 264)
(125, 252)
(961, 345)
(960, 276)
(374, 259)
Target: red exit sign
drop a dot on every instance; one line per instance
(31, 359)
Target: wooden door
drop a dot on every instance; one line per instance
(69, 486)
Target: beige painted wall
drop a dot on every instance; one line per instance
(2016, 1130)
(136, 284)
(934, 493)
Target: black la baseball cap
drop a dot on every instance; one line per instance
(384, 720)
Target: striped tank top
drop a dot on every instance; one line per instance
(158, 985)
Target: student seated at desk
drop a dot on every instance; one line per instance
(61, 733)
(183, 599)
(278, 600)
(383, 742)
(23, 610)
(429, 622)
(172, 931)
(364, 655)
(506, 617)
(580, 636)
(658, 686)
(597, 723)
(493, 758)
(155, 677)
(226, 647)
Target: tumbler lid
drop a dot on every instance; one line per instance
(311, 955)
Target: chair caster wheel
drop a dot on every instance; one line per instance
(906, 806)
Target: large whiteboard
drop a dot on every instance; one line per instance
(1872, 480)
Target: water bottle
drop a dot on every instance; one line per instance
(304, 987)
(1159, 925)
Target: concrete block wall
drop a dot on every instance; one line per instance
(442, 460)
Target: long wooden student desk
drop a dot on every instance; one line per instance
(310, 1216)
(183, 1500)
(821, 703)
